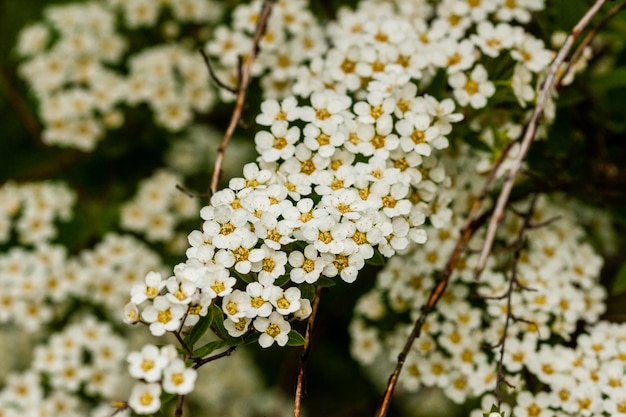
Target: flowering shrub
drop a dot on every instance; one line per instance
(379, 135)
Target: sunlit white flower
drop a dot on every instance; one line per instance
(178, 378)
(145, 398)
(273, 329)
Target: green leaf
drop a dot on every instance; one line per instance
(377, 259)
(619, 284)
(325, 282)
(218, 323)
(295, 339)
(251, 338)
(307, 290)
(247, 278)
(166, 397)
(282, 280)
(200, 329)
(208, 348)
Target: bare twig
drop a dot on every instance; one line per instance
(305, 354)
(19, 105)
(529, 134)
(119, 407)
(513, 282)
(180, 401)
(213, 75)
(474, 221)
(244, 80)
(190, 193)
(588, 38)
(199, 362)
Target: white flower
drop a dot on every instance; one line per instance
(178, 379)
(236, 305)
(33, 39)
(325, 140)
(163, 316)
(271, 266)
(145, 398)
(455, 56)
(131, 313)
(417, 132)
(147, 364)
(326, 234)
(259, 300)
(473, 90)
(273, 112)
(285, 301)
(305, 309)
(492, 39)
(307, 265)
(532, 53)
(252, 177)
(180, 292)
(273, 329)
(279, 144)
(238, 327)
(219, 283)
(243, 254)
(521, 84)
(344, 265)
(326, 109)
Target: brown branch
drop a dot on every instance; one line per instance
(529, 134)
(213, 74)
(305, 354)
(190, 193)
(244, 80)
(119, 407)
(513, 283)
(471, 225)
(200, 362)
(474, 221)
(19, 105)
(180, 401)
(588, 38)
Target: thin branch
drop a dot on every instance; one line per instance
(190, 193)
(213, 74)
(305, 353)
(529, 134)
(200, 362)
(588, 38)
(471, 225)
(474, 221)
(119, 407)
(180, 401)
(519, 244)
(19, 105)
(244, 80)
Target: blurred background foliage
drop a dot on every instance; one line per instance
(584, 156)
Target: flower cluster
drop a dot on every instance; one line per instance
(316, 212)
(106, 272)
(33, 208)
(157, 367)
(585, 380)
(349, 164)
(558, 274)
(86, 356)
(293, 37)
(158, 207)
(72, 61)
